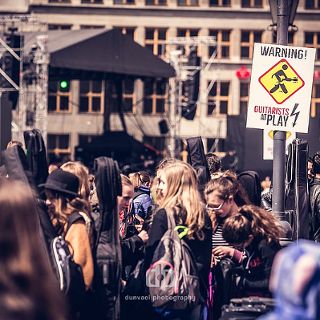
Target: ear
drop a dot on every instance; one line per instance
(250, 237)
(230, 199)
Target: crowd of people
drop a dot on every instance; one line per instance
(230, 238)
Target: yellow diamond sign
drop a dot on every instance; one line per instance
(281, 81)
(271, 134)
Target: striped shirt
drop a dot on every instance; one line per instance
(217, 239)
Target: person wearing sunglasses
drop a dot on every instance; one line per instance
(222, 196)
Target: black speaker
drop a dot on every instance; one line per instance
(163, 126)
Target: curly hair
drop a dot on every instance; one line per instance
(214, 162)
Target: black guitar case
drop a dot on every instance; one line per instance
(197, 159)
(108, 247)
(297, 192)
(36, 155)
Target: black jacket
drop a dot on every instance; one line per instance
(315, 209)
(257, 266)
(201, 249)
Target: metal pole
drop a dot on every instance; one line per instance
(173, 102)
(279, 139)
(172, 110)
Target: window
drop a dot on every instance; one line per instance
(92, 1)
(124, 1)
(244, 97)
(155, 97)
(251, 3)
(158, 142)
(315, 100)
(223, 43)
(86, 138)
(155, 40)
(59, 146)
(156, 2)
(59, 26)
(248, 38)
(218, 99)
(129, 31)
(91, 96)
(187, 33)
(128, 97)
(312, 39)
(312, 4)
(85, 26)
(59, 1)
(220, 3)
(59, 98)
(188, 3)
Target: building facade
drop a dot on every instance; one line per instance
(75, 113)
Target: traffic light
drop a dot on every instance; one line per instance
(64, 85)
(190, 88)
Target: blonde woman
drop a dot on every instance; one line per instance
(177, 185)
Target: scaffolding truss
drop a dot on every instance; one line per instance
(31, 110)
(179, 59)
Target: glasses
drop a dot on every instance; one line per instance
(210, 207)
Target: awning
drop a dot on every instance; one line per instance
(78, 54)
(117, 144)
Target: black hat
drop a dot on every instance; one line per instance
(63, 182)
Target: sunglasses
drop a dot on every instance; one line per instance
(210, 207)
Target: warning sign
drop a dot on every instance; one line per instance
(268, 143)
(280, 88)
(281, 81)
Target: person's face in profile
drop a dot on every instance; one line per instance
(50, 202)
(162, 186)
(310, 173)
(124, 199)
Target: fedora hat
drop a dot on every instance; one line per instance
(62, 182)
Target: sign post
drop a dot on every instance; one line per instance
(280, 95)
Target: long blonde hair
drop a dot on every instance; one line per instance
(82, 172)
(183, 197)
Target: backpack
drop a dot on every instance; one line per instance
(69, 273)
(138, 203)
(172, 277)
